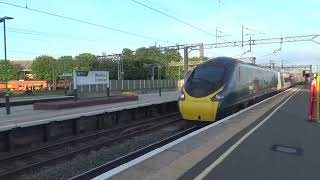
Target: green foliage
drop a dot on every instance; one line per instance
(171, 72)
(137, 64)
(194, 59)
(197, 59)
(141, 64)
(85, 61)
(134, 70)
(107, 65)
(43, 67)
(127, 53)
(65, 64)
(8, 71)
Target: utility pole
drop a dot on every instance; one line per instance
(216, 35)
(201, 50)
(250, 44)
(270, 64)
(4, 38)
(7, 97)
(122, 71)
(185, 65)
(152, 72)
(119, 69)
(159, 72)
(52, 71)
(54, 78)
(242, 36)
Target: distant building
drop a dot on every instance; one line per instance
(24, 68)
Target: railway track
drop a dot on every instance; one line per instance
(124, 159)
(131, 156)
(15, 164)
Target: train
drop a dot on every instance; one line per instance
(24, 85)
(221, 86)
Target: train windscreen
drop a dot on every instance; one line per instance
(205, 80)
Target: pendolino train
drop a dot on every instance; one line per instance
(221, 86)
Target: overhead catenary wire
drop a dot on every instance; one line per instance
(252, 30)
(61, 36)
(172, 17)
(49, 35)
(220, 35)
(157, 4)
(83, 21)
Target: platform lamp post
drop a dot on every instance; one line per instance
(159, 77)
(3, 19)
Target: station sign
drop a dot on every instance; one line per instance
(91, 77)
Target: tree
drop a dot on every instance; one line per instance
(172, 55)
(43, 68)
(148, 55)
(194, 59)
(108, 65)
(8, 71)
(135, 70)
(85, 61)
(197, 58)
(65, 64)
(127, 54)
(171, 72)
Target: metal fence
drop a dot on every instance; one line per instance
(131, 85)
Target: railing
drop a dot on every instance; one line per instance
(132, 85)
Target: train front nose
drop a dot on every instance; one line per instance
(197, 100)
(198, 109)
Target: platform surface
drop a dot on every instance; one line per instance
(85, 102)
(286, 146)
(22, 116)
(281, 120)
(14, 101)
(28, 98)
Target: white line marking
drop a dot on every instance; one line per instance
(138, 160)
(204, 173)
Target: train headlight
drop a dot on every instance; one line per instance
(217, 97)
(182, 96)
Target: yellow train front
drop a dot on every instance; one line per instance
(220, 86)
(198, 108)
(199, 97)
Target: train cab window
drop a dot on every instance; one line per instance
(208, 74)
(205, 80)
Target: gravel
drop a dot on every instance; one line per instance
(87, 161)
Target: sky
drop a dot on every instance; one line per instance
(32, 34)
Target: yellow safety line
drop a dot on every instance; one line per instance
(204, 173)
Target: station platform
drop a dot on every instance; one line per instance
(25, 116)
(269, 140)
(18, 101)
